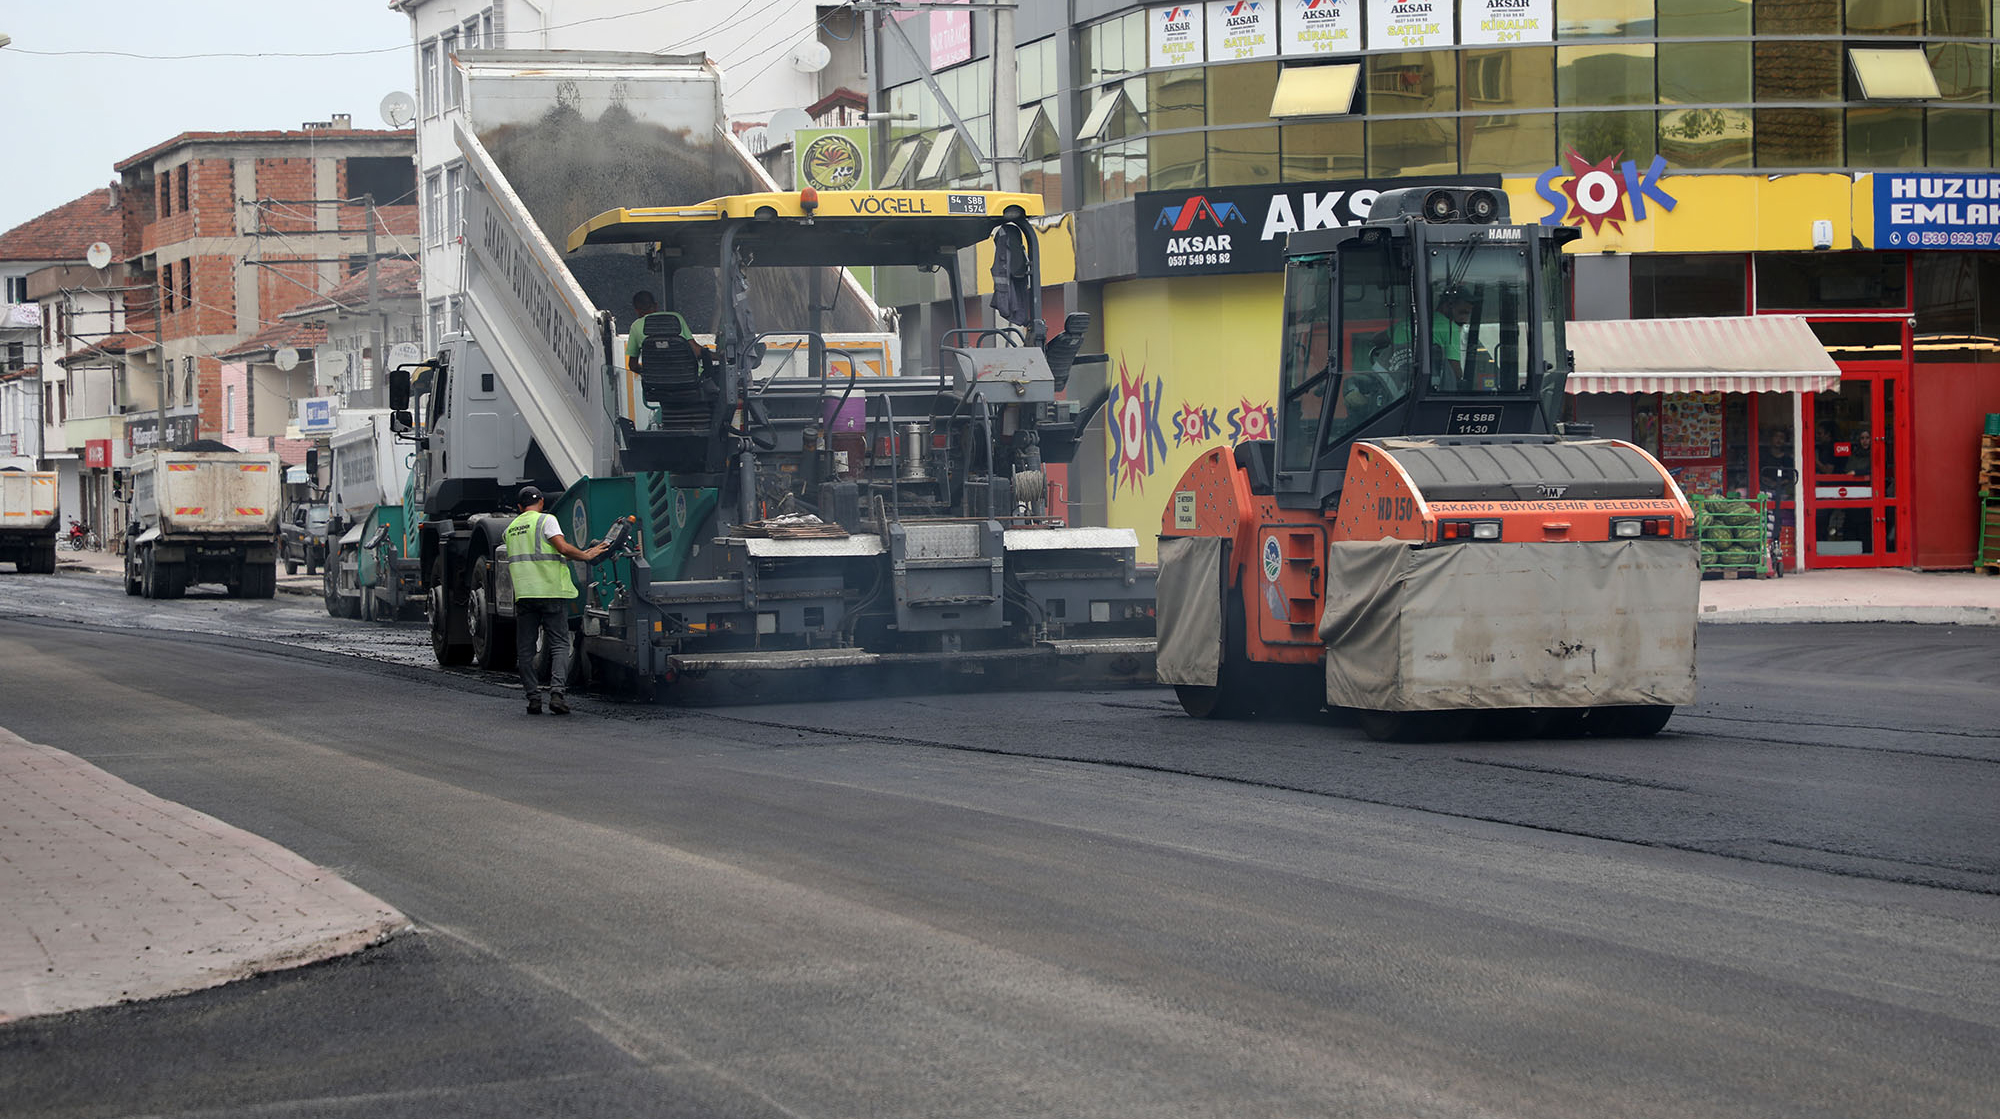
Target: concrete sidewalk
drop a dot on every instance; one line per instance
(114, 895)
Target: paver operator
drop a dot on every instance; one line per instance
(536, 555)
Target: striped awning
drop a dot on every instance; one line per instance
(1751, 353)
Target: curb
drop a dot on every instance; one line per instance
(1915, 615)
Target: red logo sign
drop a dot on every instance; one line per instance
(97, 454)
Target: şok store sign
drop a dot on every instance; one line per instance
(1220, 230)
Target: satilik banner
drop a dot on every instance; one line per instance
(1222, 230)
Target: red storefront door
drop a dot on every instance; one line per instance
(1856, 494)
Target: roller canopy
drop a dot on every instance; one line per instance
(1525, 468)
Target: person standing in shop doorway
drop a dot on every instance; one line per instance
(536, 555)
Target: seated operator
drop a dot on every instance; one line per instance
(1451, 310)
(646, 314)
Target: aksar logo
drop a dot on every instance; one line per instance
(1181, 218)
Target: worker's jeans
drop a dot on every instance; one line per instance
(549, 617)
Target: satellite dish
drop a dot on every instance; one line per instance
(404, 353)
(287, 359)
(784, 123)
(811, 56)
(97, 255)
(399, 109)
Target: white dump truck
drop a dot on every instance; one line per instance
(204, 516)
(28, 520)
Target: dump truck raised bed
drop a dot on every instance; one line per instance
(1419, 543)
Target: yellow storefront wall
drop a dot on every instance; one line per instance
(1194, 365)
(1725, 214)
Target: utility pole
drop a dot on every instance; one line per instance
(378, 335)
(1006, 100)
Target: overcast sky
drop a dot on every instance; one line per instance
(70, 117)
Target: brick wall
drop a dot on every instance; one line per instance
(283, 187)
(284, 282)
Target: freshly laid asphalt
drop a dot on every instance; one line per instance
(114, 895)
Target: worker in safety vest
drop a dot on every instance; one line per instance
(537, 558)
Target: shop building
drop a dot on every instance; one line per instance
(1829, 161)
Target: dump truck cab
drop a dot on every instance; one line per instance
(1422, 541)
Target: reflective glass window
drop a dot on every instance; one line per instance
(1958, 138)
(1038, 77)
(1324, 150)
(1509, 144)
(1791, 71)
(1599, 19)
(1178, 99)
(1594, 136)
(1240, 93)
(1831, 282)
(1797, 17)
(1176, 161)
(1885, 17)
(1411, 82)
(1604, 74)
(1958, 307)
(1307, 360)
(1114, 171)
(1242, 155)
(1960, 17)
(1704, 73)
(1964, 71)
(1103, 48)
(1706, 137)
(1799, 138)
(1683, 285)
(1885, 136)
(1412, 147)
(1508, 77)
(1703, 17)
(1377, 306)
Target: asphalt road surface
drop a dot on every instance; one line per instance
(1030, 904)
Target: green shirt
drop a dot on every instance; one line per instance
(638, 333)
(537, 569)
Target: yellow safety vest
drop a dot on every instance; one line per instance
(538, 571)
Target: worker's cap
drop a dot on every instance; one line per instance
(529, 495)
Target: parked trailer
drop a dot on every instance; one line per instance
(28, 516)
(204, 516)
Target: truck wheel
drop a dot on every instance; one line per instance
(440, 605)
(45, 559)
(131, 575)
(1233, 695)
(492, 640)
(1642, 720)
(260, 581)
(149, 576)
(171, 580)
